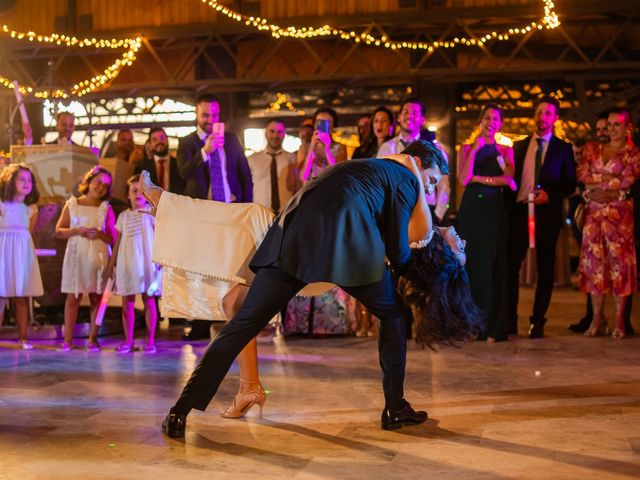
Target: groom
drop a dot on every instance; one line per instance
(337, 229)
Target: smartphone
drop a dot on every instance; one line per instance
(322, 126)
(218, 129)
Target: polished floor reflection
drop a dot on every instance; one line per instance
(565, 407)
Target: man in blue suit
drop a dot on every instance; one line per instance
(211, 161)
(544, 166)
(213, 166)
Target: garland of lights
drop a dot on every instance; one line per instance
(549, 21)
(86, 86)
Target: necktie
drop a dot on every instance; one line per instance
(538, 164)
(217, 182)
(275, 194)
(161, 173)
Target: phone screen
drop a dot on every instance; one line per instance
(218, 128)
(322, 126)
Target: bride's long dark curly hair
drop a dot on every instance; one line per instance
(436, 287)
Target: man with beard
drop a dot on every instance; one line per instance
(273, 169)
(410, 122)
(65, 126)
(163, 168)
(544, 166)
(212, 164)
(211, 161)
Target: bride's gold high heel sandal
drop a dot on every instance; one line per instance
(145, 185)
(251, 393)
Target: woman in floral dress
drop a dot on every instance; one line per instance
(607, 258)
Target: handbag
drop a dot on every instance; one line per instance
(579, 216)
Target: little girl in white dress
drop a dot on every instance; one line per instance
(19, 270)
(135, 273)
(88, 222)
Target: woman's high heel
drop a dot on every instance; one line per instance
(597, 328)
(251, 393)
(618, 334)
(145, 185)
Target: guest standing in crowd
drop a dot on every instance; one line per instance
(273, 170)
(601, 136)
(411, 122)
(213, 166)
(363, 126)
(381, 130)
(124, 146)
(19, 270)
(485, 168)
(607, 256)
(544, 166)
(331, 311)
(322, 151)
(65, 126)
(135, 273)
(162, 166)
(88, 222)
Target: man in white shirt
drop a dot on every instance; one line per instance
(273, 169)
(411, 120)
(544, 167)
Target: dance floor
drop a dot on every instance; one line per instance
(564, 407)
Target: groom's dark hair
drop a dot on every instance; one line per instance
(428, 154)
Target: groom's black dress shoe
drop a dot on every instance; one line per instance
(394, 419)
(174, 424)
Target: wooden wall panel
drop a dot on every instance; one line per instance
(123, 14)
(293, 56)
(33, 15)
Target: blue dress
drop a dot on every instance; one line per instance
(482, 222)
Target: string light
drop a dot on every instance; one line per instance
(282, 99)
(549, 21)
(132, 45)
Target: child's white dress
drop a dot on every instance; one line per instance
(85, 260)
(135, 271)
(19, 269)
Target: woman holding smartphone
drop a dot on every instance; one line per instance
(322, 151)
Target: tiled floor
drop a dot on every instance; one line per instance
(565, 407)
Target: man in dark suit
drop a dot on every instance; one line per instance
(212, 162)
(162, 168)
(213, 166)
(339, 228)
(544, 166)
(65, 126)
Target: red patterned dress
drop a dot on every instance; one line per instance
(607, 255)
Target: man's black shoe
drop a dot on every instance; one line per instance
(174, 424)
(394, 419)
(536, 330)
(582, 326)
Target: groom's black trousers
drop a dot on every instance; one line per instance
(269, 293)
